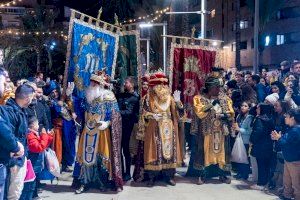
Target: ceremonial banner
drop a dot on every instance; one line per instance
(190, 65)
(128, 55)
(91, 47)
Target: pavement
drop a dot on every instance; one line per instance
(185, 189)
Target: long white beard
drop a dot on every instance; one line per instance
(93, 93)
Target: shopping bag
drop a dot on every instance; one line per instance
(239, 154)
(52, 162)
(30, 175)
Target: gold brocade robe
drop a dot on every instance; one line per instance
(213, 130)
(161, 141)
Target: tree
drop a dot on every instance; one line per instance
(41, 20)
(26, 54)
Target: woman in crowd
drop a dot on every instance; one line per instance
(262, 145)
(278, 87)
(243, 127)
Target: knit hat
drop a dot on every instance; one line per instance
(272, 98)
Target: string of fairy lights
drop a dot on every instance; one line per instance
(148, 18)
(11, 3)
(35, 33)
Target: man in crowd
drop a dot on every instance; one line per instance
(259, 88)
(15, 109)
(284, 69)
(214, 111)
(42, 100)
(129, 109)
(9, 145)
(100, 143)
(37, 109)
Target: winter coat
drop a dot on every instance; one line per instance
(37, 144)
(262, 144)
(290, 143)
(8, 141)
(18, 119)
(47, 111)
(261, 92)
(129, 107)
(38, 110)
(245, 127)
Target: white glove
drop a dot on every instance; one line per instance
(104, 125)
(70, 88)
(176, 96)
(157, 117)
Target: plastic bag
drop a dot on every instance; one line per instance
(239, 154)
(30, 175)
(52, 162)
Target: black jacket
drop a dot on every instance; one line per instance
(18, 120)
(38, 110)
(129, 107)
(8, 141)
(47, 111)
(261, 137)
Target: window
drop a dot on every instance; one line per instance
(286, 13)
(267, 40)
(243, 45)
(280, 39)
(233, 27)
(244, 24)
(209, 34)
(233, 47)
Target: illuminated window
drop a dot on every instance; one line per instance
(280, 40)
(267, 40)
(244, 24)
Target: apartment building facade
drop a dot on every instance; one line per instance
(279, 39)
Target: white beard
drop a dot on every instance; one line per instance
(93, 93)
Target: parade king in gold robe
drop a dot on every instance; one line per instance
(215, 113)
(162, 152)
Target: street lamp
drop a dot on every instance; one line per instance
(150, 25)
(203, 12)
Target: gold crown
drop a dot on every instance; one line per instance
(100, 77)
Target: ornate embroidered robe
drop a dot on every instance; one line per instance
(161, 141)
(211, 145)
(100, 149)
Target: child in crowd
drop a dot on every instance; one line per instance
(243, 127)
(37, 144)
(289, 144)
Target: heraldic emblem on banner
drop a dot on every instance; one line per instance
(190, 64)
(90, 48)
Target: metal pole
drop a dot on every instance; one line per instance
(165, 46)
(256, 32)
(203, 18)
(148, 55)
